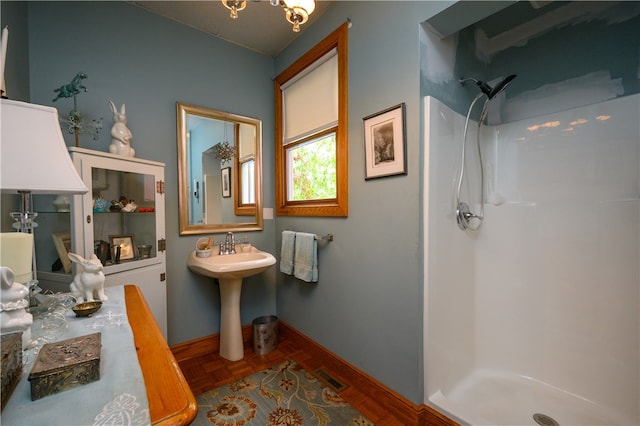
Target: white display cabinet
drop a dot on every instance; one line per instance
(91, 228)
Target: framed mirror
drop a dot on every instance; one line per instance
(219, 171)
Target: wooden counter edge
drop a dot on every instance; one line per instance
(171, 401)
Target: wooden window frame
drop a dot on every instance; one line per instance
(337, 207)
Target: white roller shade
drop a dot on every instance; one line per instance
(247, 143)
(310, 103)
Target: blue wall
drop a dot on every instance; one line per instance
(367, 305)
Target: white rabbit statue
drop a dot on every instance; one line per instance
(13, 306)
(120, 133)
(89, 279)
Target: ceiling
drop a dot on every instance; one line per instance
(260, 27)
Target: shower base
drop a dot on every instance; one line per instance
(488, 397)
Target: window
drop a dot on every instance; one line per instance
(311, 132)
(247, 190)
(244, 171)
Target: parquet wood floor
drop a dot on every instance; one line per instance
(209, 371)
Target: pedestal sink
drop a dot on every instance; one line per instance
(230, 269)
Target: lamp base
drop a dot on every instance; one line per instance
(24, 219)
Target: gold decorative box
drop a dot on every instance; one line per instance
(64, 365)
(11, 364)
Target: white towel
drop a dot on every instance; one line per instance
(286, 252)
(305, 265)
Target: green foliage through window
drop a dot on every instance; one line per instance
(313, 174)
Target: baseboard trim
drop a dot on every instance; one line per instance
(403, 409)
(204, 345)
(399, 406)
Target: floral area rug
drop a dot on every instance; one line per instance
(281, 395)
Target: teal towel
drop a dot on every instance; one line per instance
(286, 252)
(305, 265)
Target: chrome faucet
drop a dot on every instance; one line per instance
(229, 245)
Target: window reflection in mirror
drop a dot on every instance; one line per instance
(219, 171)
(245, 165)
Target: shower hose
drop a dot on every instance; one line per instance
(465, 218)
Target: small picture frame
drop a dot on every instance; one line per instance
(226, 182)
(127, 247)
(62, 243)
(385, 145)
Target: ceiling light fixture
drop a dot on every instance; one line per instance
(296, 11)
(234, 6)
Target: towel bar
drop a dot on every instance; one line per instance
(328, 237)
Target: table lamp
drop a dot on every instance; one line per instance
(34, 160)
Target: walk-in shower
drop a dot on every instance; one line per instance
(535, 320)
(465, 218)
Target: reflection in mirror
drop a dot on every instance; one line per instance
(219, 171)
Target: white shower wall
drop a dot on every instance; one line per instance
(549, 287)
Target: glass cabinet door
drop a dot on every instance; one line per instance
(121, 219)
(123, 206)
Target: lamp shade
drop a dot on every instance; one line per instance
(33, 153)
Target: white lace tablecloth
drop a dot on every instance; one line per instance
(118, 398)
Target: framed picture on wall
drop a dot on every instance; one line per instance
(385, 144)
(226, 182)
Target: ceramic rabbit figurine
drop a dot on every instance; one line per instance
(89, 279)
(14, 303)
(120, 133)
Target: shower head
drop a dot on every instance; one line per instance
(489, 91)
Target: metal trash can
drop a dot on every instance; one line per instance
(265, 334)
